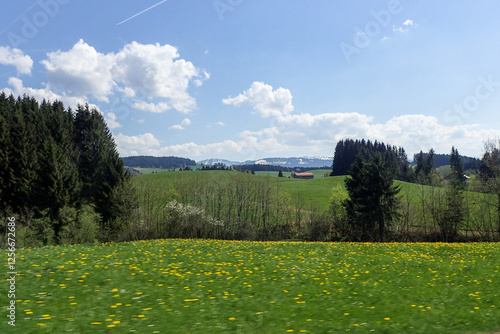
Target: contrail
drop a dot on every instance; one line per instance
(145, 10)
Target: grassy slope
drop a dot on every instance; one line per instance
(211, 286)
(311, 194)
(316, 192)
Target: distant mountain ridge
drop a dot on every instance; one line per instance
(283, 162)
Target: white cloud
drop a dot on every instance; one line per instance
(18, 89)
(264, 100)
(185, 122)
(176, 127)
(154, 71)
(220, 123)
(142, 71)
(151, 107)
(405, 28)
(134, 145)
(81, 71)
(15, 57)
(319, 133)
(308, 134)
(112, 121)
(196, 150)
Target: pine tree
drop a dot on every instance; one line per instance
(372, 203)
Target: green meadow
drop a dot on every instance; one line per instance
(212, 286)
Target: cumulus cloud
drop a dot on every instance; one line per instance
(17, 88)
(185, 122)
(147, 144)
(154, 71)
(151, 107)
(264, 100)
(139, 71)
(315, 133)
(308, 134)
(15, 57)
(134, 145)
(112, 121)
(81, 71)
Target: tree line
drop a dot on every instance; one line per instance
(59, 168)
(347, 151)
(157, 162)
(374, 203)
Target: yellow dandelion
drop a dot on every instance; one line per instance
(387, 318)
(232, 318)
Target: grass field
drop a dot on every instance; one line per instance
(312, 193)
(210, 286)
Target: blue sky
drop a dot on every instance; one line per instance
(240, 80)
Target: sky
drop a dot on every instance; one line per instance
(245, 80)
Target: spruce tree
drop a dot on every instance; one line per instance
(458, 178)
(372, 202)
(99, 165)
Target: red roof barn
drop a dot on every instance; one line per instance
(302, 175)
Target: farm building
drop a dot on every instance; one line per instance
(302, 175)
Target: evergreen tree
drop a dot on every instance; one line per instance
(458, 178)
(99, 165)
(425, 170)
(372, 201)
(23, 156)
(346, 152)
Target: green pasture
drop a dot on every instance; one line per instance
(212, 286)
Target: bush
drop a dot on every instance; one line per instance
(81, 227)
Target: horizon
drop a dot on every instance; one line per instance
(240, 80)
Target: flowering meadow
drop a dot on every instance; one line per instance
(212, 286)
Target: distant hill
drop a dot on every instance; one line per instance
(215, 161)
(158, 162)
(305, 162)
